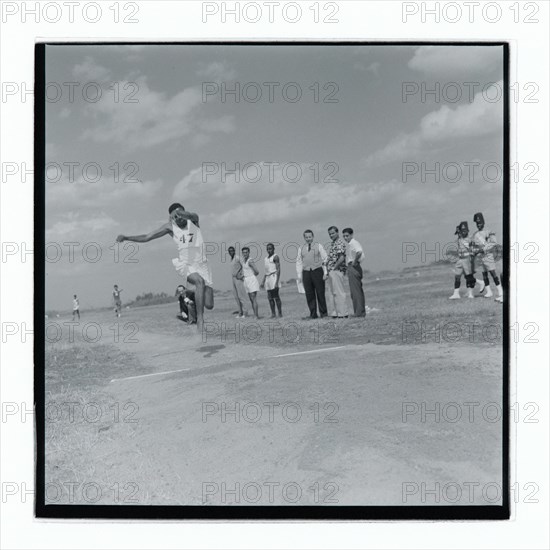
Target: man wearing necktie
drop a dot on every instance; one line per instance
(311, 271)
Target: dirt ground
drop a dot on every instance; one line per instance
(402, 407)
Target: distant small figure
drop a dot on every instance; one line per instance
(186, 300)
(118, 301)
(76, 307)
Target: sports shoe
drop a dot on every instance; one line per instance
(470, 293)
(489, 293)
(455, 296)
(499, 299)
(481, 284)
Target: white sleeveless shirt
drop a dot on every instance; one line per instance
(270, 266)
(247, 270)
(189, 242)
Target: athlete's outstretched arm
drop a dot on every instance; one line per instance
(155, 234)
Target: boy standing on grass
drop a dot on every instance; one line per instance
(76, 307)
(117, 300)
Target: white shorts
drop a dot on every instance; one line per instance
(270, 281)
(251, 284)
(202, 268)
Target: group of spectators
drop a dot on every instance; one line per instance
(316, 270)
(315, 267)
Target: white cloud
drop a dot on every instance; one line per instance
(226, 204)
(90, 71)
(440, 61)
(73, 229)
(216, 71)
(437, 129)
(373, 68)
(67, 194)
(151, 119)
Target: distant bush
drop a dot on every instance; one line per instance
(151, 299)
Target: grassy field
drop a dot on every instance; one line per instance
(137, 407)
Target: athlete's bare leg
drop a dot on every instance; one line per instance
(252, 296)
(208, 297)
(204, 297)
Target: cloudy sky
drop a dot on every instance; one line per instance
(334, 156)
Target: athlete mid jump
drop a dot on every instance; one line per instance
(192, 263)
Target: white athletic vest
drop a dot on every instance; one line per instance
(189, 242)
(247, 270)
(269, 265)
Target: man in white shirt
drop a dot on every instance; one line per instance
(354, 257)
(311, 271)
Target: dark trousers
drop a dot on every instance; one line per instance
(189, 310)
(355, 277)
(314, 285)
